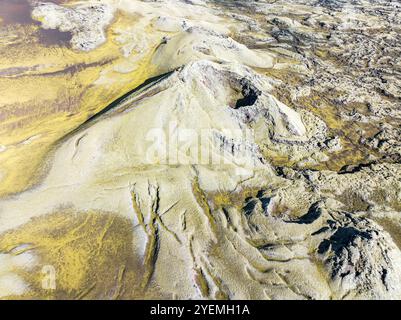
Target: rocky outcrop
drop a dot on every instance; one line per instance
(361, 258)
(86, 22)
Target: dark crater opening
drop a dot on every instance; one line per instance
(250, 94)
(249, 206)
(312, 215)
